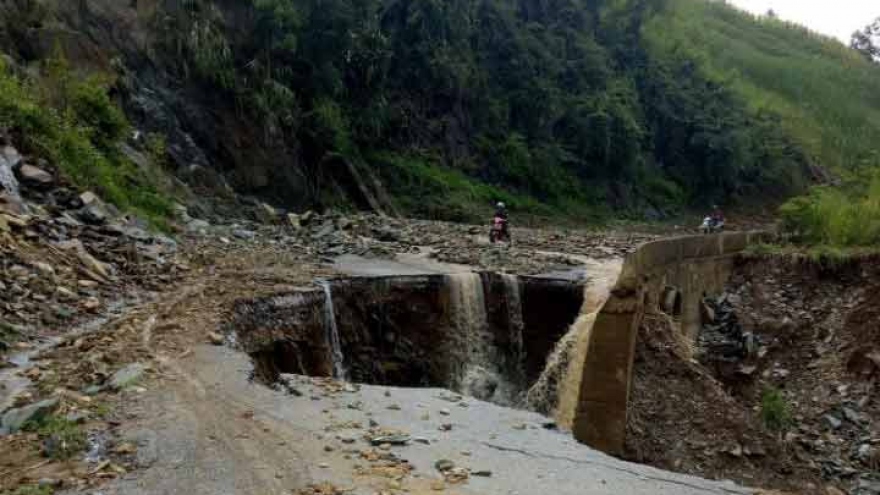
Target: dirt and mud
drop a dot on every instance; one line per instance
(780, 391)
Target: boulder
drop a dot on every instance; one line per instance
(92, 265)
(269, 213)
(88, 198)
(244, 234)
(94, 214)
(127, 376)
(14, 419)
(294, 221)
(197, 226)
(35, 177)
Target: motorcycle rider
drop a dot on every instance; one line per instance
(501, 210)
(501, 213)
(716, 218)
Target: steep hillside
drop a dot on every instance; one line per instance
(827, 95)
(583, 108)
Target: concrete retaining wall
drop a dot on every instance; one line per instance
(672, 274)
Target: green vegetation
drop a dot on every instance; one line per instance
(571, 106)
(65, 437)
(587, 108)
(72, 122)
(31, 490)
(775, 411)
(826, 95)
(836, 217)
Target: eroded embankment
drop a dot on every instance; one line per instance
(780, 388)
(484, 334)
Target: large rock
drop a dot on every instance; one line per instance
(92, 265)
(127, 376)
(197, 226)
(14, 419)
(35, 177)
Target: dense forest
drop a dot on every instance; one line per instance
(585, 108)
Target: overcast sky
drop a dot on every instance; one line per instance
(838, 18)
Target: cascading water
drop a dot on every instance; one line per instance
(336, 356)
(478, 373)
(515, 327)
(557, 390)
(8, 182)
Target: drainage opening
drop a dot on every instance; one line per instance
(486, 335)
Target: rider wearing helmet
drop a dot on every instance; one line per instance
(717, 216)
(501, 210)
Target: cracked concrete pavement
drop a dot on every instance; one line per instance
(207, 429)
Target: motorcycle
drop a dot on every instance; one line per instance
(711, 226)
(499, 232)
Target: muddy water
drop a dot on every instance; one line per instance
(336, 356)
(515, 328)
(556, 390)
(478, 368)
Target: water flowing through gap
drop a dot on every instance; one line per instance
(8, 182)
(336, 356)
(485, 335)
(516, 327)
(480, 373)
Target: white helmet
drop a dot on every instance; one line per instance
(500, 205)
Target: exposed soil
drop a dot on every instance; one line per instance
(815, 334)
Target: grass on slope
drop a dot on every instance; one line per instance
(74, 124)
(828, 95)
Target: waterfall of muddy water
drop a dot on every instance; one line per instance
(515, 327)
(556, 390)
(336, 355)
(478, 373)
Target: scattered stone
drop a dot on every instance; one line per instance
(485, 473)
(444, 412)
(127, 376)
(35, 177)
(852, 416)
(197, 226)
(14, 419)
(520, 426)
(446, 427)
(244, 234)
(444, 465)
(125, 448)
(833, 422)
(400, 439)
(215, 338)
(393, 407)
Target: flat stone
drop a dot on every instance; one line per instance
(127, 376)
(35, 176)
(833, 422)
(14, 419)
(197, 226)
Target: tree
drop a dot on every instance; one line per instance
(867, 41)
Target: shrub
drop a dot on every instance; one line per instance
(76, 126)
(775, 411)
(843, 217)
